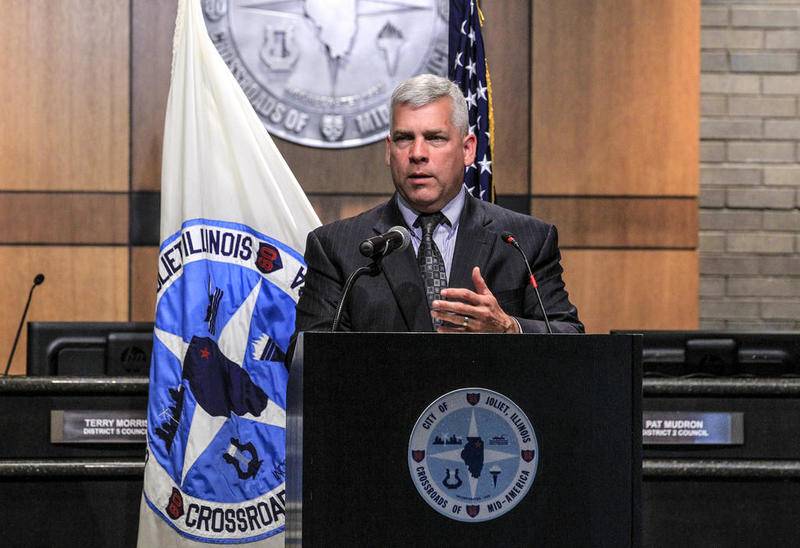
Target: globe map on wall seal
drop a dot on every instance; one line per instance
(473, 455)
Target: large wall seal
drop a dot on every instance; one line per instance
(320, 72)
(473, 455)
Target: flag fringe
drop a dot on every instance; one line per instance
(481, 18)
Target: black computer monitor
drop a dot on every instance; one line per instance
(89, 349)
(719, 353)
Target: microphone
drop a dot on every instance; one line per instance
(397, 238)
(375, 248)
(38, 280)
(511, 240)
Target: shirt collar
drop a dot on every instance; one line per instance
(452, 210)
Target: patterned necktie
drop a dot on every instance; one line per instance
(429, 260)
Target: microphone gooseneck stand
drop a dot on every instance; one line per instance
(372, 269)
(367, 248)
(511, 240)
(38, 280)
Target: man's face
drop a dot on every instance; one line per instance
(427, 154)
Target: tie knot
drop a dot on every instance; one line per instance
(429, 222)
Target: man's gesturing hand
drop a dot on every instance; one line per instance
(472, 311)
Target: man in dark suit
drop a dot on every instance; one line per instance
(458, 276)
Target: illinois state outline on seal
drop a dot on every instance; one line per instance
(473, 455)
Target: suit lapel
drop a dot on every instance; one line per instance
(402, 273)
(474, 243)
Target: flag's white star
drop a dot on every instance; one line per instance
(471, 99)
(471, 166)
(471, 69)
(481, 89)
(485, 164)
(233, 342)
(458, 60)
(471, 36)
(463, 24)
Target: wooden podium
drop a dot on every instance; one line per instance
(354, 399)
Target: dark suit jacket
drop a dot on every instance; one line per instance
(394, 300)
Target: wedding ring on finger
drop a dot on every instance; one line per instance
(466, 321)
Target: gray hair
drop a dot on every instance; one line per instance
(423, 90)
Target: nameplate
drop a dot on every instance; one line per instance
(98, 426)
(692, 428)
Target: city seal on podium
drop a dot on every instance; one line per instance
(320, 72)
(473, 455)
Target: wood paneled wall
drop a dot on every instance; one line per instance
(596, 106)
(616, 97)
(64, 84)
(615, 145)
(64, 126)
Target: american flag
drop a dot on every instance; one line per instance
(468, 69)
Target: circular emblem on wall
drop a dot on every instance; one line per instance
(473, 455)
(320, 72)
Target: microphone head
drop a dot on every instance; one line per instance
(39, 279)
(406, 235)
(366, 248)
(507, 237)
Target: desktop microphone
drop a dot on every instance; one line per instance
(509, 238)
(375, 248)
(38, 280)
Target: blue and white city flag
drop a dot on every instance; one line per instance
(470, 70)
(230, 269)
